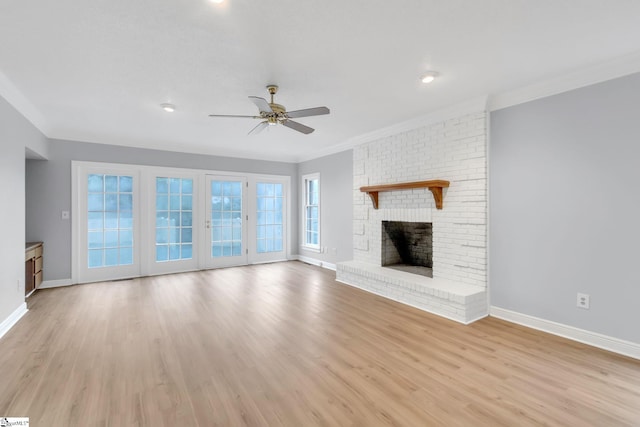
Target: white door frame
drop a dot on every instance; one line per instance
(81, 273)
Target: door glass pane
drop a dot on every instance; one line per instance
(110, 220)
(174, 204)
(269, 217)
(226, 218)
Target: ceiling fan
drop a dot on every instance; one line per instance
(273, 114)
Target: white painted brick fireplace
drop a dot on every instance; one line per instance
(455, 150)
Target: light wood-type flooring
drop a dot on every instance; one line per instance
(285, 345)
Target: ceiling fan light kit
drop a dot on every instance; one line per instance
(169, 108)
(273, 114)
(428, 77)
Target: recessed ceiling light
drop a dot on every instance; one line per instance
(216, 1)
(428, 77)
(169, 108)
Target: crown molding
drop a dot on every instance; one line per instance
(14, 97)
(468, 107)
(597, 73)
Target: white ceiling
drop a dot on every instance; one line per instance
(97, 71)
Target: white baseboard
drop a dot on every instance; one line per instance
(55, 283)
(616, 345)
(13, 319)
(313, 261)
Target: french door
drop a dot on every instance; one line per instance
(108, 206)
(131, 221)
(267, 225)
(226, 221)
(172, 222)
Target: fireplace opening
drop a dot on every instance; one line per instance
(408, 246)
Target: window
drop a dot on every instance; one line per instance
(311, 232)
(109, 220)
(174, 219)
(269, 214)
(226, 218)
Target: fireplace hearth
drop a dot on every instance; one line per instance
(408, 246)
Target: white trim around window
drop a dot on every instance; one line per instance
(311, 211)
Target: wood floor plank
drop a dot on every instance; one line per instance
(284, 344)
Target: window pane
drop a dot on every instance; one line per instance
(95, 202)
(110, 220)
(162, 253)
(162, 185)
(95, 184)
(174, 252)
(162, 235)
(96, 239)
(96, 220)
(110, 257)
(95, 258)
(226, 218)
(111, 202)
(126, 238)
(126, 184)
(111, 184)
(269, 210)
(175, 185)
(186, 252)
(126, 202)
(126, 256)
(174, 202)
(162, 203)
(126, 219)
(174, 235)
(186, 219)
(162, 219)
(187, 203)
(187, 186)
(111, 239)
(187, 236)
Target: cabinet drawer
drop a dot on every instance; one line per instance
(38, 264)
(38, 251)
(38, 279)
(31, 253)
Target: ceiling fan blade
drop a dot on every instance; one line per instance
(259, 128)
(233, 115)
(298, 126)
(308, 112)
(261, 103)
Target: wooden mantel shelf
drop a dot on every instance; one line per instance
(435, 186)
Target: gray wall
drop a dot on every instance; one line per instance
(16, 136)
(565, 207)
(336, 205)
(48, 189)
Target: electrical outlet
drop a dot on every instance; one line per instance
(583, 301)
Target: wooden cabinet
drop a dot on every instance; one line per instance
(33, 266)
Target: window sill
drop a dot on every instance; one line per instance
(310, 249)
